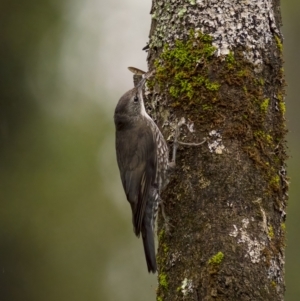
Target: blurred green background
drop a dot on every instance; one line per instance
(65, 230)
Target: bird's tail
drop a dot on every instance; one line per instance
(148, 235)
(149, 247)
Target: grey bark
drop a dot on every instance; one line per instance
(226, 201)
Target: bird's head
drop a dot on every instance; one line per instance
(131, 105)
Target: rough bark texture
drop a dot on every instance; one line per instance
(219, 65)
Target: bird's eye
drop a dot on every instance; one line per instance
(136, 99)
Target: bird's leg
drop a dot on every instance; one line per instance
(176, 142)
(172, 164)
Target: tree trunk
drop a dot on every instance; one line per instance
(219, 65)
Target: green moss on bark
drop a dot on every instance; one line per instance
(180, 66)
(216, 259)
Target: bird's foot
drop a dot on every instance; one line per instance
(176, 142)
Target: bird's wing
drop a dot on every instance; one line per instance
(137, 164)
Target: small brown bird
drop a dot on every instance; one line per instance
(143, 160)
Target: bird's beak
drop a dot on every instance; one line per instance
(145, 77)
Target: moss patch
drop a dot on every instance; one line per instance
(161, 235)
(162, 279)
(230, 62)
(265, 105)
(182, 64)
(279, 43)
(281, 103)
(271, 232)
(216, 259)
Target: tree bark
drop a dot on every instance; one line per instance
(219, 65)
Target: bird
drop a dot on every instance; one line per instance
(143, 161)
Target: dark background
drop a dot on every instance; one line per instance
(65, 227)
